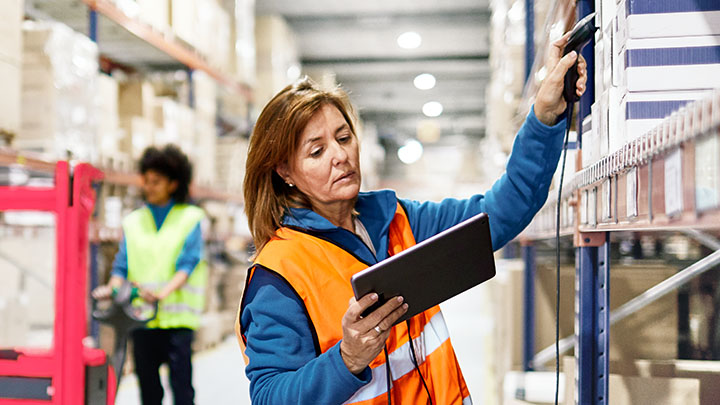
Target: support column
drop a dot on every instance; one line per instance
(592, 320)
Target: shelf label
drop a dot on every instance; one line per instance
(673, 183)
(631, 192)
(606, 200)
(592, 207)
(707, 172)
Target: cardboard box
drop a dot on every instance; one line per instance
(138, 134)
(645, 389)
(155, 13)
(643, 111)
(59, 110)
(650, 333)
(11, 31)
(136, 99)
(183, 20)
(10, 102)
(664, 64)
(677, 18)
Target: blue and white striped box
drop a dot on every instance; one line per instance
(666, 64)
(644, 111)
(666, 18)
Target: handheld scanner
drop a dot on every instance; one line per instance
(580, 35)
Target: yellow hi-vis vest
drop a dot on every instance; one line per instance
(319, 272)
(152, 254)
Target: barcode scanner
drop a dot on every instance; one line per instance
(580, 35)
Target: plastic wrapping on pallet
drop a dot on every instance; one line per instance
(59, 84)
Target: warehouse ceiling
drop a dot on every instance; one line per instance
(358, 42)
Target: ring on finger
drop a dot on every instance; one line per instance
(378, 330)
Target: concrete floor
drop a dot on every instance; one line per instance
(219, 376)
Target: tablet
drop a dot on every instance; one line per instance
(432, 271)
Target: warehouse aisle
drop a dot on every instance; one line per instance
(219, 379)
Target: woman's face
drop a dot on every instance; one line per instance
(157, 188)
(326, 165)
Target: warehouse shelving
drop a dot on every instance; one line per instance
(594, 203)
(167, 44)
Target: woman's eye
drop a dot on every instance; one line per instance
(344, 139)
(316, 152)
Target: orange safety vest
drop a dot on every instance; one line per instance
(326, 290)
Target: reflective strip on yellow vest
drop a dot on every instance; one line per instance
(152, 256)
(325, 291)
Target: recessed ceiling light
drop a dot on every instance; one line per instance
(409, 40)
(432, 109)
(424, 81)
(411, 152)
(293, 73)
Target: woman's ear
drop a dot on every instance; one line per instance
(283, 171)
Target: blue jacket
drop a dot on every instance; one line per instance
(284, 366)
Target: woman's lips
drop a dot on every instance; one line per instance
(347, 176)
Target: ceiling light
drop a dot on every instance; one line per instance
(409, 40)
(411, 152)
(424, 81)
(293, 73)
(432, 109)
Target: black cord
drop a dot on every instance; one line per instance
(415, 363)
(388, 377)
(557, 253)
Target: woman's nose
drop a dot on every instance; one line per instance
(339, 153)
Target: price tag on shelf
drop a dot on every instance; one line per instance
(673, 183)
(707, 172)
(631, 192)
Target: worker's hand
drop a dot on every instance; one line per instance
(361, 341)
(148, 296)
(102, 292)
(549, 103)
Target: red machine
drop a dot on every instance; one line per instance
(69, 373)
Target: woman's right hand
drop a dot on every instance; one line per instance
(361, 341)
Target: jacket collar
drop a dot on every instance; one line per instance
(376, 209)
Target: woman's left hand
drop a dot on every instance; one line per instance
(549, 103)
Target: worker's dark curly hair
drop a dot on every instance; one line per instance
(171, 162)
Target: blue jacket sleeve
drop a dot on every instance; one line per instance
(513, 200)
(120, 266)
(191, 252)
(284, 367)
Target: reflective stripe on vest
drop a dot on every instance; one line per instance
(152, 256)
(325, 291)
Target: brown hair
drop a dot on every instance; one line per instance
(274, 141)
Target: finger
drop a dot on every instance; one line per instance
(558, 73)
(356, 308)
(557, 48)
(389, 320)
(370, 321)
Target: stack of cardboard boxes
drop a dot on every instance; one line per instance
(277, 57)
(10, 64)
(651, 58)
(59, 87)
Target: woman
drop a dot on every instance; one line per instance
(162, 252)
(299, 326)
